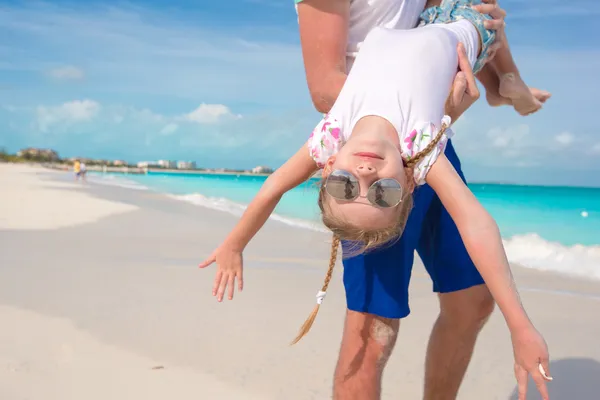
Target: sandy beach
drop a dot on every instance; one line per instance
(101, 298)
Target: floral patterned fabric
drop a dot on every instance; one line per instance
(418, 139)
(328, 138)
(325, 140)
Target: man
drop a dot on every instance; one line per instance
(77, 169)
(331, 32)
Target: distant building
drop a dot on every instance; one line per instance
(261, 169)
(119, 163)
(38, 154)
(148, 164)
(186, 165)
(167, 164)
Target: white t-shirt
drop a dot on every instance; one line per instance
(403, 76)
(368, 14)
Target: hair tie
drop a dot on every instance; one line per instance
(320, 296)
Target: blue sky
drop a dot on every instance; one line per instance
(223, 83)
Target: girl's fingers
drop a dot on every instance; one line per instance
(522, 377)
(231, 283)
(222, 288)
(241, 281)
(207, 262)
(540, 383)
(217, 282)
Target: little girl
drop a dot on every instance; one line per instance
(385, 134)
(500, 77)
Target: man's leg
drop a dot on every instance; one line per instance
(367, 344)
(462, 315)
(376, 286)
(465, 301)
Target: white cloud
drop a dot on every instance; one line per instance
(210, 114)
(67, 73)
(564, 138)
(130, 49)
(513, 138)
(69, 112)
(595, 148)
(169, 129)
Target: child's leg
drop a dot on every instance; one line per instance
(488, 76)
(524, 99)
(500, 76)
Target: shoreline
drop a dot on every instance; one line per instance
(317, 174)
(125, 170)
(530, 250)
(129, 281)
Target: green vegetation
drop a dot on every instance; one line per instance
(7, 157)
(30, 155)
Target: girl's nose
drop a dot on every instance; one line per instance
(365, 169)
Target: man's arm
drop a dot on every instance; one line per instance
(324, 36)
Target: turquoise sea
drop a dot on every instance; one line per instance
(555, 228)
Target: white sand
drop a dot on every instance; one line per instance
(49, 358)
(27, 202)
(111, 299)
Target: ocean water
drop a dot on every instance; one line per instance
(548, 228)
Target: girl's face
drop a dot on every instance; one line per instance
(372, 153)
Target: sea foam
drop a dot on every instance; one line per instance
(532, 251)
(237, 209)
(529, 250)
(112, 180)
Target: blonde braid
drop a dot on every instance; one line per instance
(321, 295)
(417, 157)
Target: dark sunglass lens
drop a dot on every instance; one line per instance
(385, 193)
(342, 186)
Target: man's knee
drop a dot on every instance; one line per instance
(367, 343)
(469, 308)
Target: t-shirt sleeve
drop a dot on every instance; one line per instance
(418, 139)
(325, 140)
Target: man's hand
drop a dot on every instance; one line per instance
(464, 90)
(491, 8)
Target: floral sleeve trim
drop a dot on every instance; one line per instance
(325, 140)
(418, 139)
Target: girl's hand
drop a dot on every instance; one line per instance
(491, 8)
(464, 90)
(229, 268)
(531, 351)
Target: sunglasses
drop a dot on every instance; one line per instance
(383, 193)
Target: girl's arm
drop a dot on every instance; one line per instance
(323, 35)
(481, 237)
(296, 170)
(228, 255)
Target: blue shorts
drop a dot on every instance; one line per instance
(377, 282)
